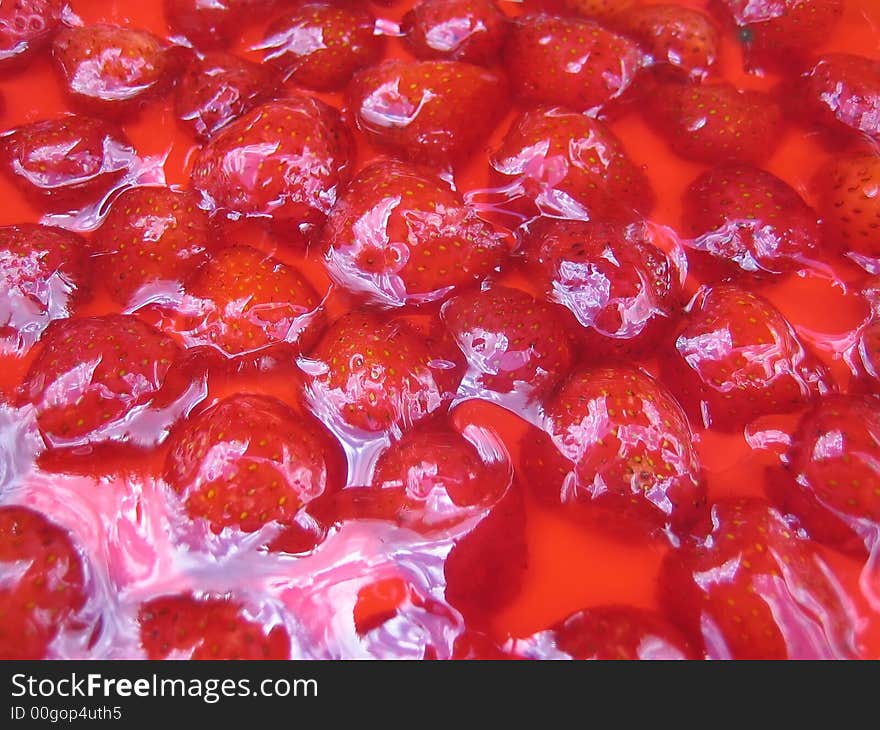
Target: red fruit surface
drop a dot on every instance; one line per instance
(615, 439)
(603, 9)
(69, 161)
(569, 61)
(428, 111)
(27, 26)
(250, 460)
(571, 166)
(320, 45)
(152, 238)
(748, 219)
(209, 24)
(42, 274)
(459, 30)
(43, 586)
(754, 589)
(400, 235)
(186, 627)
(844, 92)
(738, 358)
(849, 203)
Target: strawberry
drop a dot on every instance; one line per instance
(753, 589)
(429, 111)
(621, 633)
(399, 235)
(42, 273)
(217, 88)
(458, 30)
(210, 23)
(207, 627)
(250, 460)
(110, 69)
(151, 237)
(320, 44)
(619, 286)
(511, 340)
(867, 354)
(737, 358)
(616, 440)
(715, 123)
(43, 584)
(748, 219)
(568, 61)
(70, 161)
(27, 26)
(604, 9)
(844, 92)
(477, 646)
(678, 36)
(285, 159)
(571, 166)
(375, 373)
(95, 377)
(243, 302)
(849, 203)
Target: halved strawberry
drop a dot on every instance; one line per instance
(624, 290)
(434, 111)
(376, 373)
(459, 30)
(511, 340)
(754, 589)
(70, 161)
(569, 61)
(27, 26)
(849, 202)
(571, 166)
(243, 302)
(616, 440)
(285, 159)
(152, 237)
(738, 358)
(42, 272)
(43, 583)
(217, 88)
(250, 460)
(715, 123)
(320, 45)
(843, 90)
(208, 627)
(110, 69)
(748, 219)
(400, 235)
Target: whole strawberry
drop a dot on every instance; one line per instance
(457, 30)
(213, 23)
(26, 26)
(849, 204)
(843, 91)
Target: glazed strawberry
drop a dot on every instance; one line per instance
(568, 61)
(512, 341)
(622, 633)
(285, 159)
(844, 92)
(748, 219)
(571, 166)
(112, 69)
(250, 460)
(150, 241)
(320, 44)
(42, 272)
(849, 204)
(400, 235)
(217, 88)
(753, 589)
(70, 161)
(96, 377)
(208, 627)
(458, 30)
(623, 289)
(738, 358)
(678, 36)
(242, 302)
(715, 123)
(374, 374)
(433, 111)
(43, 586)
(598, 8)
(616, 440)
(27, 26)
(211, 23)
